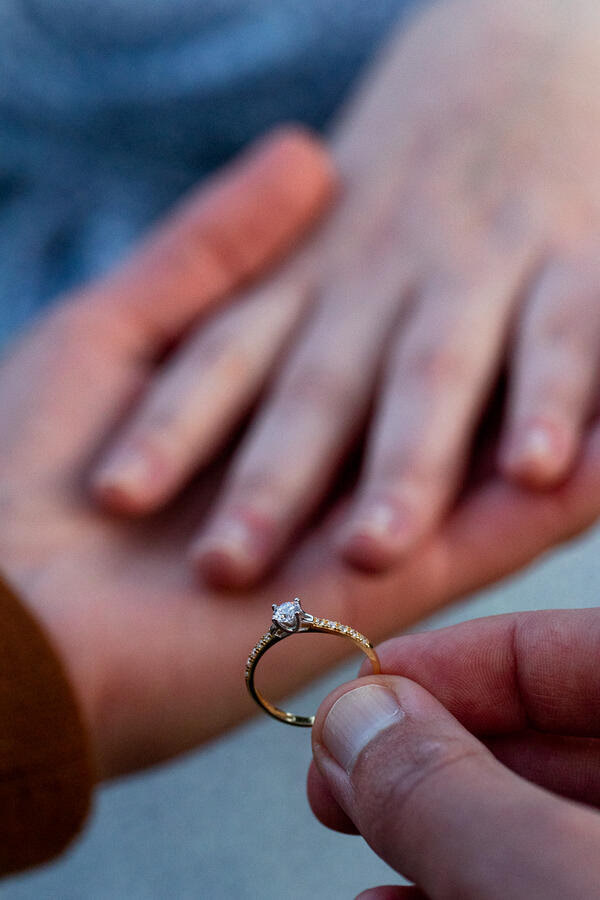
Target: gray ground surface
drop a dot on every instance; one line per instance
(232, 820)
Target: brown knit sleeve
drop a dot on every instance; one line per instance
(46, 775)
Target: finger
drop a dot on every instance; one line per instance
(492, 532)
(314, 413)
(324, 805)
(438, 376)
(569, 766)
(224, 234)
(501, 677)
(554, 374)
(193, 404)
(502, 674)
(434, 803)
(565, 765)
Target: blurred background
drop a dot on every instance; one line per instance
(232, 820)
(109, 111)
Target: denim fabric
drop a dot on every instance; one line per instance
(108, 111)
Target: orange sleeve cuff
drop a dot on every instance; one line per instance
(46, 772)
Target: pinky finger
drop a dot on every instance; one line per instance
(554, 375)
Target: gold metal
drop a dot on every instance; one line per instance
(304, 624)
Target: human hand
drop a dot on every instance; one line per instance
(472, 765)
(464, 243)
(156, 659)
(105, 589)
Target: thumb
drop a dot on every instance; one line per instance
(435, 804)
(220, 236)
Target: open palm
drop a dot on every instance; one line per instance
(157, 659)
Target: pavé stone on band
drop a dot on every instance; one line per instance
(289, 618)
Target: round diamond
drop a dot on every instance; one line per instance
(286, 613)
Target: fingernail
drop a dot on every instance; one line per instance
(383, 520)
(356, 719)
(378, 520)
(538, 453)
(537, 444)
(125, 471)
(233, 538)
(377, 535)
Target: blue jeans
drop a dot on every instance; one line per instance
(108, 111)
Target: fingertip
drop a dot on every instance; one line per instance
(324, 805)
(135, 479)
(377, 536)
(367, 554)
(118, 497)
(303, 150)
(231, 557)
(223, 569)
(236, 549)
(537, 456)
(112, 498)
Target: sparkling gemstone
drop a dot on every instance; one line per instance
(286, 613)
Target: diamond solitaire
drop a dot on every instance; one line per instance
(288, 616)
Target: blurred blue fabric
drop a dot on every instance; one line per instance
(109, 110)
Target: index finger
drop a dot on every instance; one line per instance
(502, 674)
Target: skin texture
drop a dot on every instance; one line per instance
(156, 659)
(464, 245)
(487, 784)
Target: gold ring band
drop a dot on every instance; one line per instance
(288, 619)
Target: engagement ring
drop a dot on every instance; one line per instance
(288, 619)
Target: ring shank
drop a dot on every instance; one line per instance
(319, 626)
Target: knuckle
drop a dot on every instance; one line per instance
(564, 298)
(563, 360)
(557, 393)
(557, 323)
(319, 386)
(155, 442)
(163, 432)
(157, 423)
(507, 222)
(259, 496)
(215, 346)
(564, 334)
(402, 474)
(417, 466)
(435, 365)
(253, 482)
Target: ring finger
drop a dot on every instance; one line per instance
(438, 377)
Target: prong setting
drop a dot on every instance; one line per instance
(288, 617)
